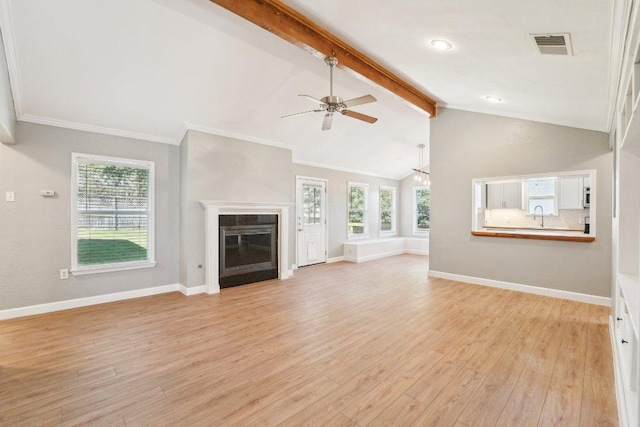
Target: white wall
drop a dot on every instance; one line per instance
(467, 145)
(337, 203)
(7, 111)
(35, 232)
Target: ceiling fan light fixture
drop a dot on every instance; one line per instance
(334, 104)
(492, 98)
(441, 44)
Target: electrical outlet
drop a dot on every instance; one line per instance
(64, 273)
(10, 196)
(580, 220)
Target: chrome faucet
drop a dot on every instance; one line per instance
(541, 215)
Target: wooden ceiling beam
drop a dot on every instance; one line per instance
(283, 21)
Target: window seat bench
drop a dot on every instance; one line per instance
(370, 249)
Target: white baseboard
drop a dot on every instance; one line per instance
(618, 381)
(556, 293)
(408, 251)
(375, 256)
(84, 302)
(335, 259)
(202, 289)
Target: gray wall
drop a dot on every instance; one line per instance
(35, 231)
(467, 145)
(7, 112)
(337, 203)
(220, 168)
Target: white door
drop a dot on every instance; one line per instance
(311, 221)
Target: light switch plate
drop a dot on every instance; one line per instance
(10, 196)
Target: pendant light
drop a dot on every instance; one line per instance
(420, 175)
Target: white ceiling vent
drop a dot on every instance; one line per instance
(553, 44)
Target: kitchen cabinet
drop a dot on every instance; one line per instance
(625, 141)
(571, 193)
(504, 195)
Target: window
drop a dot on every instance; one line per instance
(421, 203)
(387, 210)
(357, 200)
(112, 214)
(542, 192)
(311, 204)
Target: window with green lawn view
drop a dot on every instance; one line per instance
(387, 210)
(422, 203)
(112, 213)
(357, 195)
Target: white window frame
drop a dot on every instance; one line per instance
(393, 211)
(527, 198)
(416, 230)
(365, 217)
(76, 269)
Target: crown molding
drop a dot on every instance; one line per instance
(565, 123)
(234, 135)
(341, 169)
(96, 129)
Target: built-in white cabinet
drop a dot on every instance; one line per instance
(625, 141)
(504, 195)
(571, 193)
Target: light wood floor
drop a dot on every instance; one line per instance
(375, 344)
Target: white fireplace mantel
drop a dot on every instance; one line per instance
(215, 208)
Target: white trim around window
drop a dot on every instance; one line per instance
(391, 211)
(358, 230)
(552, 197)
(416, 230)
(145, 210)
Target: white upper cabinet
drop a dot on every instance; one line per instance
(504, 195)
(571, 193)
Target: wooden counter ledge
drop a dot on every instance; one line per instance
(534, 236)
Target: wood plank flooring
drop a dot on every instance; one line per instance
(371, 344)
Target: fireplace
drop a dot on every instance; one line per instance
(248, 249)
(216, 209)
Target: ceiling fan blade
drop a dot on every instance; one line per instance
(299, 114)
(317, 101)
(359, 101)
(326, 123)
(359, 116)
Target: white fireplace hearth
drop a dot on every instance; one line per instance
(215, 208)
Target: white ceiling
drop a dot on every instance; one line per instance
(148, 68)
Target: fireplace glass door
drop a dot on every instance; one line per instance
(248, 249)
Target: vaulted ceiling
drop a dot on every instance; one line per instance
(151, 68)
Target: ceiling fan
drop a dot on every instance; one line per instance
(334, 104)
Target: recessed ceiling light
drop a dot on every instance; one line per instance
(441, 44)
(494, 99)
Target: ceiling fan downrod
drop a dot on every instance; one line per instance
(331, 61)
